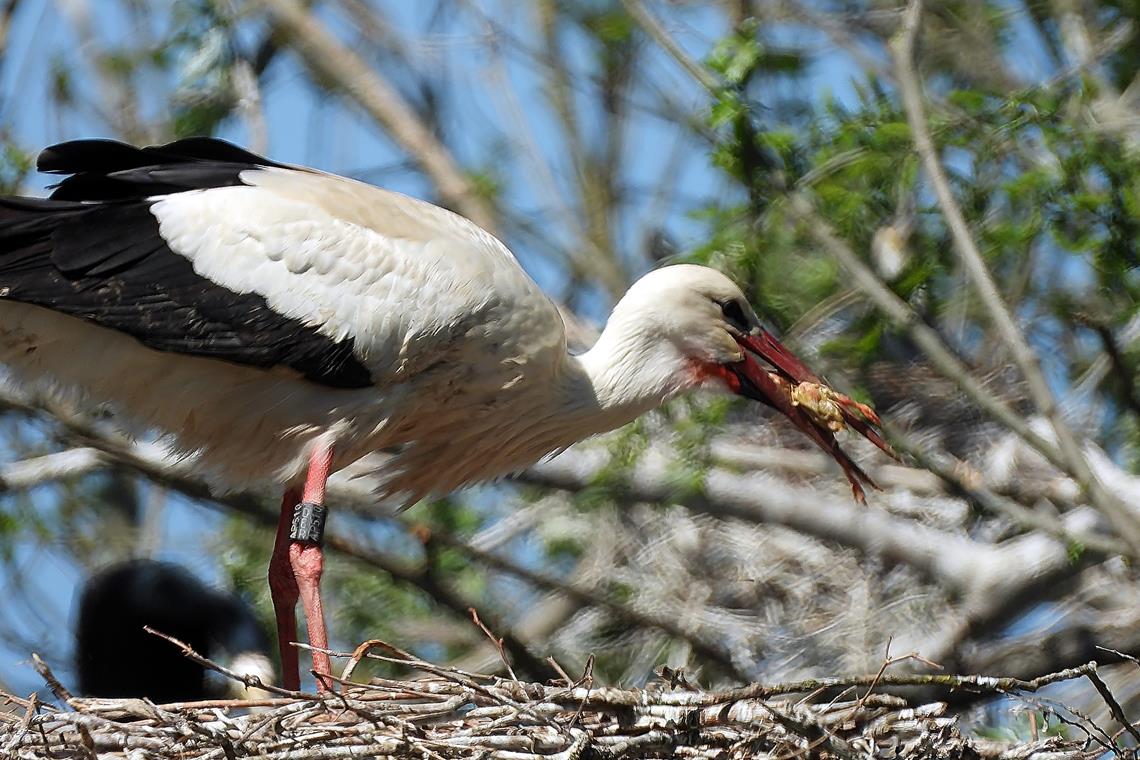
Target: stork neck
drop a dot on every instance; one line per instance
(624, 375)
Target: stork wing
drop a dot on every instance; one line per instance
(202, 248)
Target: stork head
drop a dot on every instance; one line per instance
(702, 319)
(695, 324)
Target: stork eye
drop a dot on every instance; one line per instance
(734, 313)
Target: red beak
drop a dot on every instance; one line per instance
(801, 396)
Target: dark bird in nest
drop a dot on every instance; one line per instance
(116, 657)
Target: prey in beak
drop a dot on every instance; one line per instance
(788, 386)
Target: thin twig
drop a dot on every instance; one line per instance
(496, 640)
(1113, 706)
(888, 661)
(1123, 655)
(58, 689)
(403, 657)
(251, 681)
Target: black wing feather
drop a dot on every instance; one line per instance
(103, 170)
(94, 251)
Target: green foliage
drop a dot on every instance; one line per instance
(1074, 550)
(609, 25)
(486, 184)
(15, 165)
(737, 56)
(62, 87)
(697, 423)
(1053, 207)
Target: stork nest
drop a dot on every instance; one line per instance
(448, 713)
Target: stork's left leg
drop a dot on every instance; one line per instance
(283, 589)
(307, 559)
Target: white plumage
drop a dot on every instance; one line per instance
(268, 316)
(438, 310)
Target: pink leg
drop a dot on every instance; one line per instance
(283, 589)
(307, 562)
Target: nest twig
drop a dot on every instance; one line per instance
(448, 713)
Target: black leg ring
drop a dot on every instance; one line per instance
(308, 523)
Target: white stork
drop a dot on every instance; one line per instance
(280, 323)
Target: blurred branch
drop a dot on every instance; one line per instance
(582, 257)
(588, 596)
(957, 562)
(116, 100)
(1108, 110)
(7, 11)
(1124, 377)
(837, 31)
(1095, 373)
(249, 105)
(902, 49)
(954, 473)
(649, 23)
(341, 66)
(594, 178)
(746, 456)
(29, 473)
(1089, 635)
(1034, 568)
(367, 19)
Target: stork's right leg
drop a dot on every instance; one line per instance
(283, 589)
(307, 558)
